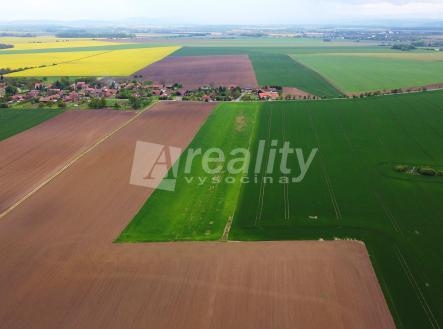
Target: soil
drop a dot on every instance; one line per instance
(29, 158)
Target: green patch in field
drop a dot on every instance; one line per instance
(15, 121)
(197, 209)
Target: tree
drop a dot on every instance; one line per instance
(10, 90)
(61, 104)
(135, 102)
(97, 103)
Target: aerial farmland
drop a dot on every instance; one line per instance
(221, 176)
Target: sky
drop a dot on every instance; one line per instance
(224, 11)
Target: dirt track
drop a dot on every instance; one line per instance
(59, 268)
(30, 157)
(197, 71)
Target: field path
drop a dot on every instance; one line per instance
(60, 269)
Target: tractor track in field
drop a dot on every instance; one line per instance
(406, 133)
(285, 185)
(264, 171)
(385, 208)
(420, 296)
(326, 177)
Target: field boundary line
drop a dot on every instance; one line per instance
(73, 161)
(333, 85)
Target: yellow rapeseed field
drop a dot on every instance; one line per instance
(111, 63)
(20, 61)
(31, 43)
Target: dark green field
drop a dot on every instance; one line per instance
(350, 193)
(281, 70)
(350, 190)
(14, 121)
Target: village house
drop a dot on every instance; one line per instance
(48, 99)
(17, 98)
(81, 85)
(72, 97)
(206, 98)
(54, 91)
(33, 94)
(39, 85)
(268, 95)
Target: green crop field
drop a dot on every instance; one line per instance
(278, 49)
(350, 191)
(353, 73)
(189, 216)
(14, 121)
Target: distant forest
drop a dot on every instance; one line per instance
(80, 34)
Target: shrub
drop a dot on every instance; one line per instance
(401, 168)
(426, 171)
(97, 103)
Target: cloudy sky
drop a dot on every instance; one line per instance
(224, 11)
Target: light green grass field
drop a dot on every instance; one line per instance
(15, 121)
(366, 72)
(188, 216)
(350, 190)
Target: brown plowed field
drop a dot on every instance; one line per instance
(30, 157)
(59, 268)
(197, 71)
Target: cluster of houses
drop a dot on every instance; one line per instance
(80, 91)
(47, 93)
